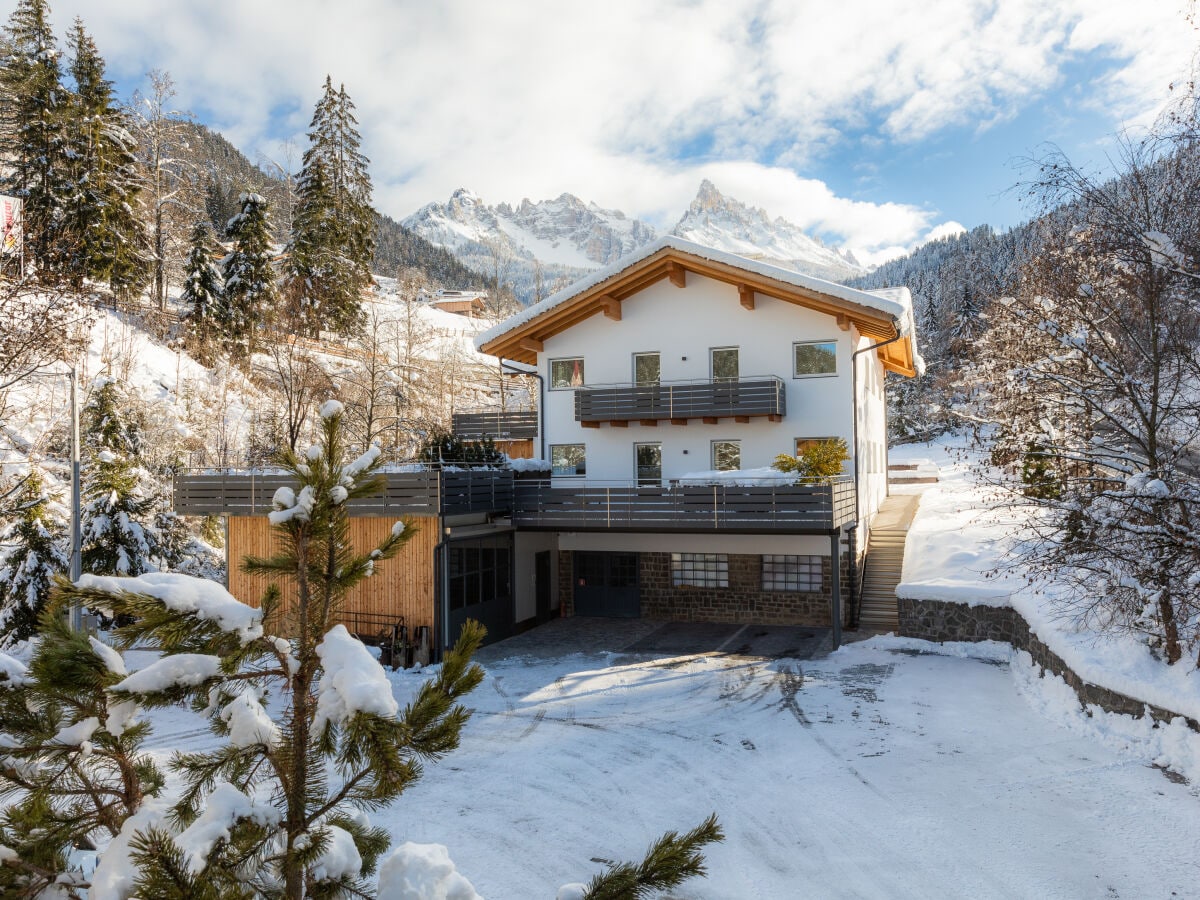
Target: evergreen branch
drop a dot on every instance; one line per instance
(670, 861)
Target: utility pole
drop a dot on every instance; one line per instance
(76, 621)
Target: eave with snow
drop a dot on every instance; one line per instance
(885, 316)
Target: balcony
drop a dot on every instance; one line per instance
(593, 506)
(679, 401)
(504, 425)
(429, 493)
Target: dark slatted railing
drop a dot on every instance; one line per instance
(403, 494)
(763, 396)
(593, 506)
(502, 425)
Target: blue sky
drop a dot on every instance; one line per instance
(871, 123)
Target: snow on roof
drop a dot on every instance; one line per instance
(893, 302)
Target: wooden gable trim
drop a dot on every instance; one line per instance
(525, 342)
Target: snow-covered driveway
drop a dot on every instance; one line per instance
(874, 772)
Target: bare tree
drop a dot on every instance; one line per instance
(171, 191)
(1091, 375)
(298, 379)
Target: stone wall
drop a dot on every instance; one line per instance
(937, 620)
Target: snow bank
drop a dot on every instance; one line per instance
(223, 809)
(764, 476)
(179, 670)
(422, 872)
(351, 681)
(529, 465)
(186, 594)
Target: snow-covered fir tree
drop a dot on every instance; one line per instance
(33, 141)
(73, 772)
(201, 297)
(329, 256)
(119, 500)
(248, 300)
(289, 791)
(33, 549)
(102, 208)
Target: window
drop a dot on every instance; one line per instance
(791, 573)
(568, 459)
(724, 363)
(647, 368)
(700, 569)
(566, 373)
(648, 459)
(477, 572)
(815, 358)
(726, 455)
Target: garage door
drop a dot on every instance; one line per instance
(606, 584)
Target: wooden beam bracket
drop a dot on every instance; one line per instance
(746, 296)
(532, 344)
(677, 273)
(612, 307)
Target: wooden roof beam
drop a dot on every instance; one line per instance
(746, 296)
(677, 273)
(531, 344)
(612, 307)
(843, 321)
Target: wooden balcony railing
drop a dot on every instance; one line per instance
(582, 506)
(681, 400)
(432, 493)
(511, 425)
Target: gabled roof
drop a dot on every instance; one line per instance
(879, 315)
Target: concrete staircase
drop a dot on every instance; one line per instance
(885, 563)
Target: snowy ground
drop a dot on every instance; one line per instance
(879, 771)
(959, 549)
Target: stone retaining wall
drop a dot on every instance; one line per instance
(938, 620)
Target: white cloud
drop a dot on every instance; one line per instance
(536, 98)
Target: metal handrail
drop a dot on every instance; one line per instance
(674, 382)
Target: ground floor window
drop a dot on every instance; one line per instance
(791, 573)
(700, 569)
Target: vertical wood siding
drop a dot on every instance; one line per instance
(401, 586)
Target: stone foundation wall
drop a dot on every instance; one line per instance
(566, 578)
(937, 620)
(743, 602)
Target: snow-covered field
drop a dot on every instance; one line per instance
(885, 770)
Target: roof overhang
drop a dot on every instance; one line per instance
(524, 340)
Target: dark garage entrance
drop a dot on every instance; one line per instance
(606, 584)
(479, 585)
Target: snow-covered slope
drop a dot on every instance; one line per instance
(724, 223)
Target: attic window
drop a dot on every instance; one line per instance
(566, 373)
(815, 358)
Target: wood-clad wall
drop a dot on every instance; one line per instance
(521, 448)
(401, 586)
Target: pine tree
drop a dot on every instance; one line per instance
(73, 771)
(249, 297)
(333, 231)
(119, 506)
(35, 550)
(288, 790)
(32, 139)
(102, 208)
(201, 296)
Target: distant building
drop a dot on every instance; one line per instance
(465, 303)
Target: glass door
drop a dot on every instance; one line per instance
(647, 371)
(648, 460)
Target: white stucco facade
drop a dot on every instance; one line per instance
(683, 325)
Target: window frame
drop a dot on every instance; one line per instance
(634, 361)
(712, 454)
(576, 474)
(714, 567)
(582, 373)
(794, 571)
(712, 368)
(637, 476)
(802, 375)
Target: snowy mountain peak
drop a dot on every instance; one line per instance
(728, 224)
